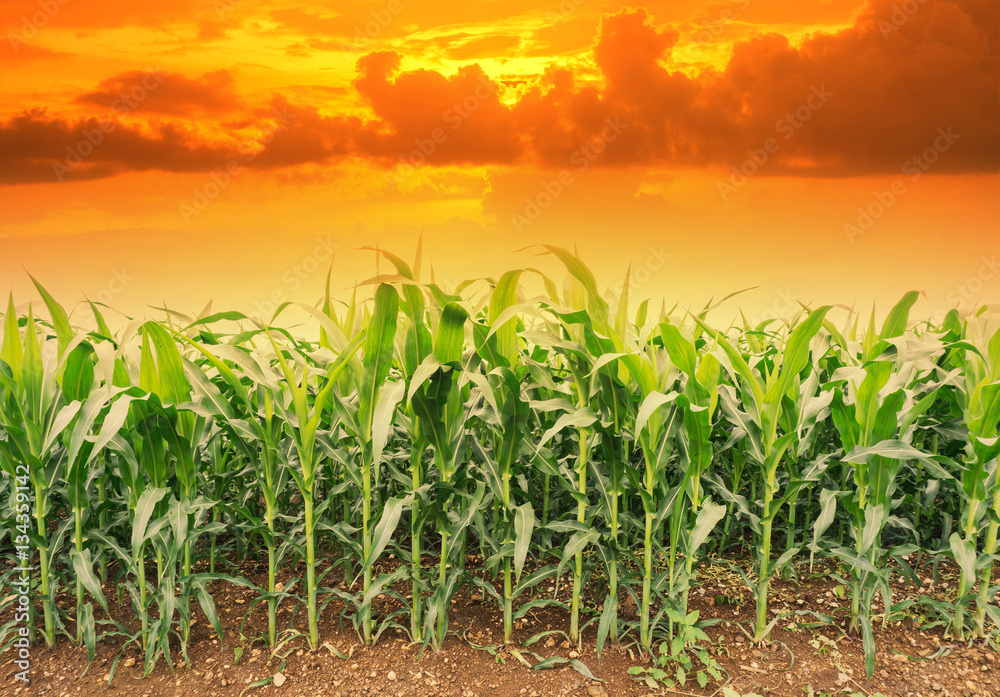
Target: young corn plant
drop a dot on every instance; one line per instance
(876, 435)
(249, 423)
(875, 418)
(33, 415)
(657, 423)
(463, 411)
(438, 397)
(978, 398)
(375, 410)
(697, 402)
(507, 422)
(416, 345)
(616, 401)
(589, 345)
(763, 393)
(302, 420)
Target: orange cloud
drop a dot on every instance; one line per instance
(37, 148)
(166, 93)
(862, 100)
(441, 119)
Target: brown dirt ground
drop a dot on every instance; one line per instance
(796, 661)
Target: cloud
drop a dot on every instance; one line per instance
(891, 80)
(167, 93)
(453, 119)
(38, 148)
(484, 47)
(892, 83)
(13, 50)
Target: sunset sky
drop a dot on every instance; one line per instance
(834, 151)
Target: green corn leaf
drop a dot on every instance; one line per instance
(868, 642)
(898, 318)
(385, 408)
(60, 320)
(450, 336)
(143, 513)
(609, 615)
(964, 552)
(11, 351)
(681, 350)
(78, 375)
(207, 604)
(391, 512)
(576, 543)
(503, 297)
(88, 630)
(173, 385)
(708, 517)
(83, 568)
(524, 523)
(377, 353)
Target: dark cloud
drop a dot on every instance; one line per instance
(166, 93)
(860, 101)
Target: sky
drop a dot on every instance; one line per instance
(176, 153)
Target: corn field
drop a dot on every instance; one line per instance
(570, 436)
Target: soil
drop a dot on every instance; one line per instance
(800, 659)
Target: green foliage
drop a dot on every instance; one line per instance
(682, 658)
(543, 434)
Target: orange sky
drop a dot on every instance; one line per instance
(838, 151)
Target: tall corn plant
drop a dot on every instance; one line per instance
(588, 345)
(618, 406)
(251, 426)
(497, 345)
(378, 353)
(369, 419)
(34, 414)
(875, 419)
(75, 376)
(763, 392)
(437, 395)
(302, 420)
(416, 345)
(698, 402)
(654, 426)
(185, 432)
(979, 402)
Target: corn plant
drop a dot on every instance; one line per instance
(979, 400)
(502, 389)
(698, 401)
(437, 395)
(34, 415)
(302, 420)
(764, 397)
(562, 432)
